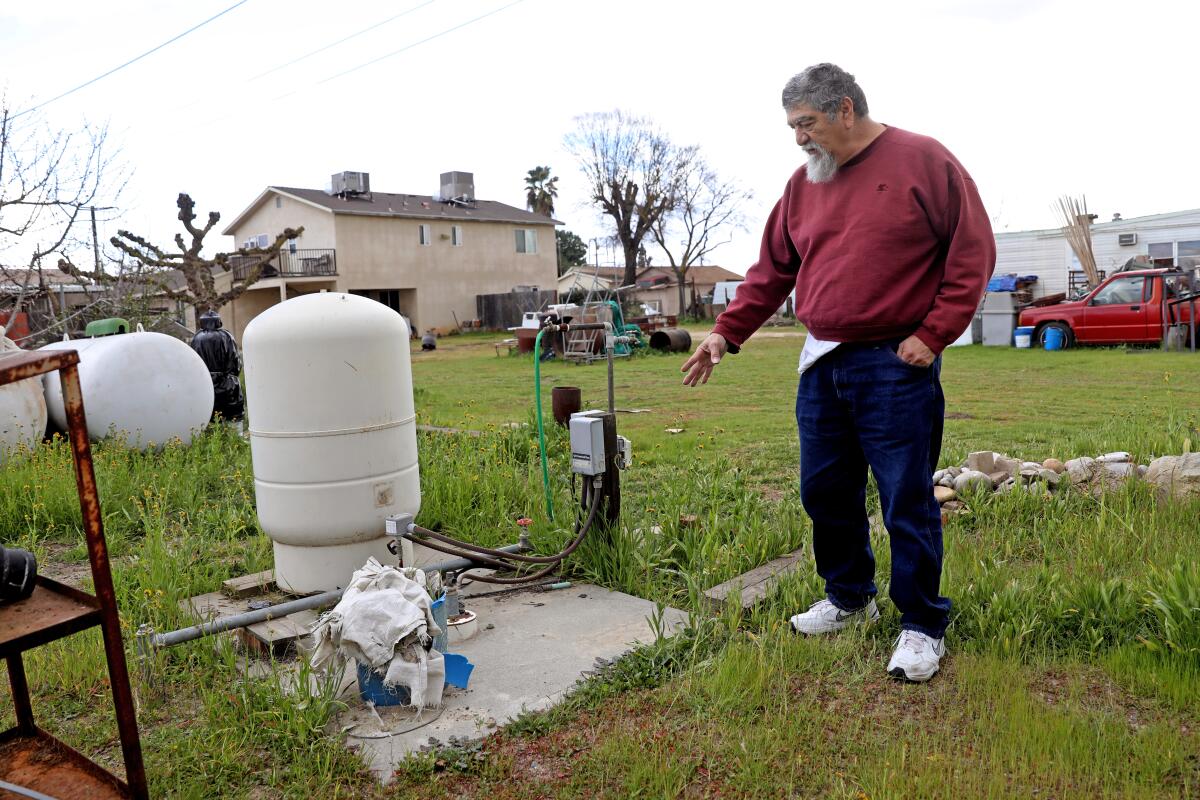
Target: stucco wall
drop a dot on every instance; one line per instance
(385, 253)
(318, 224)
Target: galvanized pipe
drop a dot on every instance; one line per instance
(153, 641)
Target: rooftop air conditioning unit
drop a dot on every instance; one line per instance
(457, 186)
(1126, 239)
(351, 182)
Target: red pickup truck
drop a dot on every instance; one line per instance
(1128, 307)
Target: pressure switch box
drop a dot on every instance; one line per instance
(587, 443)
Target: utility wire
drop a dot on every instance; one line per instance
(423, 41)
(341, 41)
(131, 61)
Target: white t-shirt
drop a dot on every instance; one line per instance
(814, 348)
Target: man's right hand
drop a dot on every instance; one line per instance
(707, 355)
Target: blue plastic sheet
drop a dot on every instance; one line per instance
(1008, 283)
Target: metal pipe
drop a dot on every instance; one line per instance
(610, 344)
(290, 607)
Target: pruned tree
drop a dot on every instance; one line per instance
(572, 251)
(49, 178)
(540, 191)
(158, 268)
(634, 174)
(707, 208)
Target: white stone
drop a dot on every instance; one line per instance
(982, 461)
(1176, 477)
(970, 480)
(1121, 469)
(1050, 477)
(1119, 457)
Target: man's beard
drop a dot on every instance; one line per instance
(822, 166)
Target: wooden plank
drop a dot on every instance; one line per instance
(759, 582)
(250, 585)
(753, 586)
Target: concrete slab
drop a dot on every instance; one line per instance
(530, 649)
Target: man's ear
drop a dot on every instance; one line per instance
(847, 112)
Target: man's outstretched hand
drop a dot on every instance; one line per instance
(707, 355)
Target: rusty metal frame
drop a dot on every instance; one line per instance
(28, 365)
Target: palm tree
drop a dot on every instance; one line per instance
(540, 191)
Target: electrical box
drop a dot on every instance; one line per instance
(587, 443)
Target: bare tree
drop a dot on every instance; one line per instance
(159, 272)
(48, 179)
(706, 207)
(633, 171)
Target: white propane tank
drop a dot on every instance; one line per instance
(332, 433)
(144, 388)
(22, 409)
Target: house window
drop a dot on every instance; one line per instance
(526, 240)
(1189, 254)
(1162, 254)
(424, 235)
(278, 201)
(456, 235)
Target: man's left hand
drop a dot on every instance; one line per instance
(913, 351)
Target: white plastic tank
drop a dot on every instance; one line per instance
(22, 409)
(143, 388)
(332, 433)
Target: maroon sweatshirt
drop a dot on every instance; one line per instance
(897, 243)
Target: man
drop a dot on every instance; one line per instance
(887, 244)
(219, 352)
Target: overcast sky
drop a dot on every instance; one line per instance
(1036, 99)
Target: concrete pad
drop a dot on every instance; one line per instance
(537, 647)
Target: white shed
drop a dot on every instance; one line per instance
(1171, 239)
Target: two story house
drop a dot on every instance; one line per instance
(426, 257)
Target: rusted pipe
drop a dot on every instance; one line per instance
(671, 340)
(566, 400)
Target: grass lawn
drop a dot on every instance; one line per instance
(1074, 660)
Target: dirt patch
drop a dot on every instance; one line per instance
(959, 415)
(56, 566)
(1090, 690)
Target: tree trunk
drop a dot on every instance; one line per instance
(680, 275)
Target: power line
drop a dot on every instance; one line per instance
(341, 41)
(423, 41)
(131, 61)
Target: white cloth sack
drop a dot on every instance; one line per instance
(385, 620)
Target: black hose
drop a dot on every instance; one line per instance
(581, 533)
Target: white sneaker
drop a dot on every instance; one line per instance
(824, 617)
(916, 657)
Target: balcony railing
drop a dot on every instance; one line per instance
(289, 264)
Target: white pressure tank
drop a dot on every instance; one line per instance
(22, 410)
(143, 388)
(332, 433)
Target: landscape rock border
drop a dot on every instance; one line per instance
(1174, 477)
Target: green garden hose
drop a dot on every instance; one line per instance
(537, 399)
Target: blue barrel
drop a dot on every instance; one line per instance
(1053, 338)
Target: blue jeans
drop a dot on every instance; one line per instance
(861, 406)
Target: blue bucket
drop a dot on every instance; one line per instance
(370, 686)
(1022, 336)
(1052, 339)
